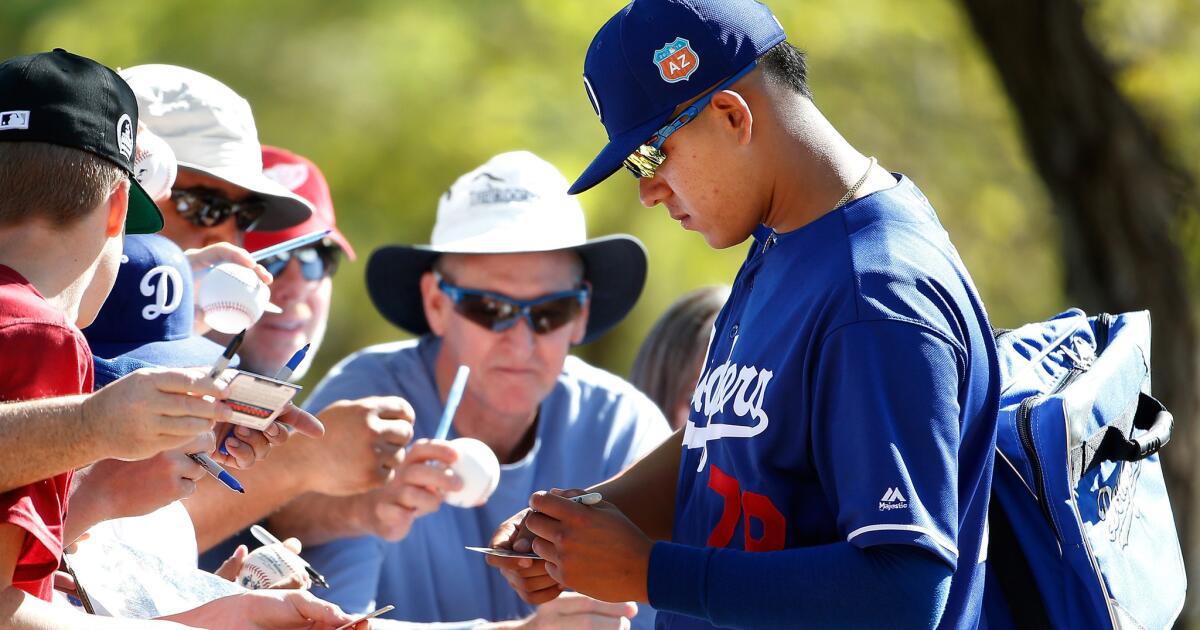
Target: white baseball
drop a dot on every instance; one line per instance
(154, 164)
(232, 298)
(272, 566)
(479, 470)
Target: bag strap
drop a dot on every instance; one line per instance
(1116, 441)
(1006, 559)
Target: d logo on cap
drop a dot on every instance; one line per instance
(166, 285)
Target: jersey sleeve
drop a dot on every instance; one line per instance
(885, 430)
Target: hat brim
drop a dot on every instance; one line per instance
(143, 216)
(284, 209)
(614, 265)
(617, 149)
(191, 351)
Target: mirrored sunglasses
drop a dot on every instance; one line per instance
(316, 261)
(647, 158)
(498, 312)
(208, 207)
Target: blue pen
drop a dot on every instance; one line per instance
(285, 372)
(214, 469)
(452, 400)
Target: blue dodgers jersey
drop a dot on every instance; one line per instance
(849, 394)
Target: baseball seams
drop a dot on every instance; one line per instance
(217, 307)
(268, 567)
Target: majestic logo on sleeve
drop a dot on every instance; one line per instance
(892, 500)
(165, 284)
(745, 386)
(676, 61)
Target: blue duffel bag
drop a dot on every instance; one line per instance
(1081, 533)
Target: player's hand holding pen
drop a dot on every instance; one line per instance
(600, 552)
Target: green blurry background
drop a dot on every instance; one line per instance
(394, 100)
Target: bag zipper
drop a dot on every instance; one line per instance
(1025, 433)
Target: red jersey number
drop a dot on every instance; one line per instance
(748, 505)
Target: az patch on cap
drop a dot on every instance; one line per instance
(676, 61)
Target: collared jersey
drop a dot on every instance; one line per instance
(849, 394)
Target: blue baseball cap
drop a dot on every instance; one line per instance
(654, 55)
(148, 316)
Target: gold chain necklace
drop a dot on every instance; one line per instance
(853, 189)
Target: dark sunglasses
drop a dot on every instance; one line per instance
(208, 207)
(316, 261)
(645, 160)
(498, 312)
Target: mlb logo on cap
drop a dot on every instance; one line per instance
(14, 120)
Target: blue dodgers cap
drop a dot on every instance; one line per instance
(148, 316)
(654, 55)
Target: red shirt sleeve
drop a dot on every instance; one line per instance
(40, 360)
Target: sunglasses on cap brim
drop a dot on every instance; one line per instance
(498, 313)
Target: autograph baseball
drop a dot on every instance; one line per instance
(272, 566)
(232, 298)
(479, 470)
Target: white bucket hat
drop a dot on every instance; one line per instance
(514, 203)
(211, 130)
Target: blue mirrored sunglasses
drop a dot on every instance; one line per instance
(645, 160)
(498, 312)
(316, 261)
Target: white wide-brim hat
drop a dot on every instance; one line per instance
(211, 130)
(514, 203)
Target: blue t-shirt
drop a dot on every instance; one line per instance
(591, 426)
(849, 395)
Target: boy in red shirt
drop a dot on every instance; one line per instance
(67, 195)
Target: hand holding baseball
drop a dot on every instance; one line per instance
(416, 490)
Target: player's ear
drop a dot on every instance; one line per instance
(735, 114)
(436, 304)
(117, 206)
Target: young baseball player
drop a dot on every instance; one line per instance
(836, 465)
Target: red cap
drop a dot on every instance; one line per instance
(299, 175)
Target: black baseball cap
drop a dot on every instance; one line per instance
(71, 101)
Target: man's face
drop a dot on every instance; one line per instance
(512, 370)
(188, 235)
(703, 182)
(305, 304)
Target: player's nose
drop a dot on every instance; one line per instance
(653, 190)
